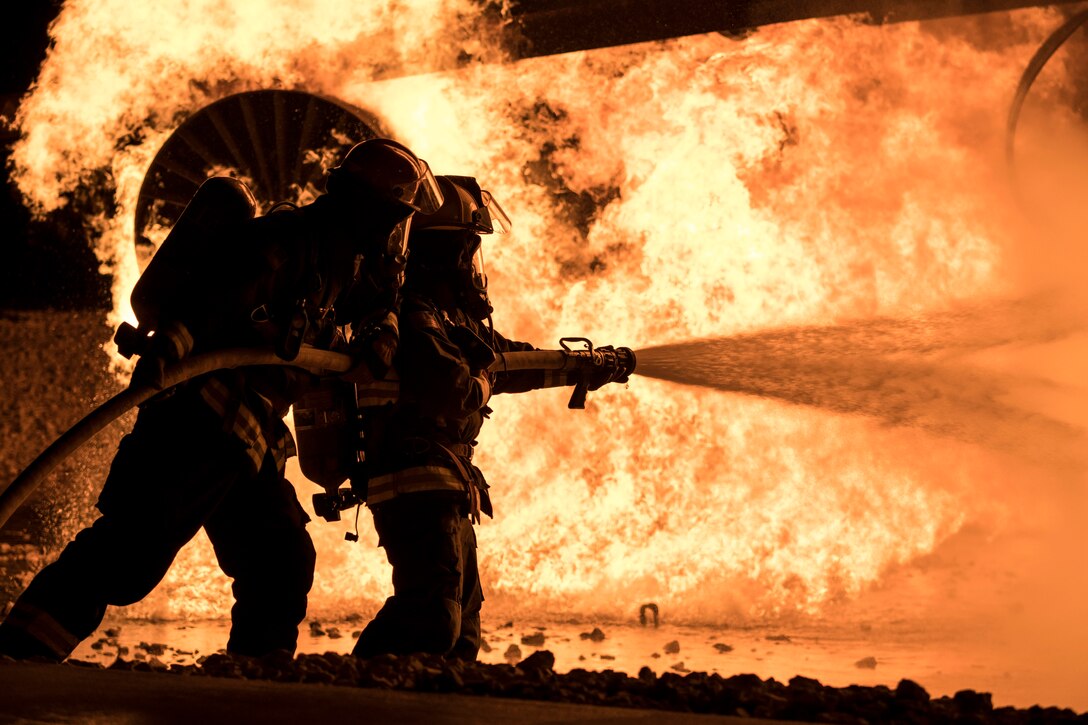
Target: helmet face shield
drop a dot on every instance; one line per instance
(500, 223)
(389, 172)
(474, 280)
(479, 275)
(421, 194)
(465, 206)
(389, 267)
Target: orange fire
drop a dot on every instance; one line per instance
(815, 172)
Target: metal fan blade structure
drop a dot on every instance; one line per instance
(280, 142)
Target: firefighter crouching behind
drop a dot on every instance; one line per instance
(419, 427)
(211, 452)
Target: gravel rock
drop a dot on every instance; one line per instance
(866, 663)
(802, 699)
(672, 648)
(541, 660)
(536, 639)
(595, 636)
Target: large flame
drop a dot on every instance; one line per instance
(701, 187)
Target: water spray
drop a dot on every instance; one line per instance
(908, 372)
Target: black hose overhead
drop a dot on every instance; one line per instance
(1038, 62)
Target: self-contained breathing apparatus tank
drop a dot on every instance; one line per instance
(172, 277)
(326, 432)
(324, 423)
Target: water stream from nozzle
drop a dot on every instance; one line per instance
(916, 372)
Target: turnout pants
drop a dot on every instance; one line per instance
(437, 596)
(178, 470)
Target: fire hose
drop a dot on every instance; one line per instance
(98, 419)
(1038, 61)
(322, 362)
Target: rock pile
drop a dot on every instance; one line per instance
(534, 678)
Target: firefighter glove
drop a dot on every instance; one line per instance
(483, 380)
(374, 351)
(168, 345)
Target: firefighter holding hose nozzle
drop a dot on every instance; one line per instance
(211, 452)
(420, 423)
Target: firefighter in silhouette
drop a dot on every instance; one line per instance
(211, 452)
(420, 425)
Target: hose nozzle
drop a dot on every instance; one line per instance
(596, 367)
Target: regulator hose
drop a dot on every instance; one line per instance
(312, 359)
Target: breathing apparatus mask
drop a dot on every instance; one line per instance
(467, 212)
(384, 183)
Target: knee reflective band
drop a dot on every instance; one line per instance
(318, 361)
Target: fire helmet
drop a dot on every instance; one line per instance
(466, 206)
(388, 170)
(451, 237)
(384, 184)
